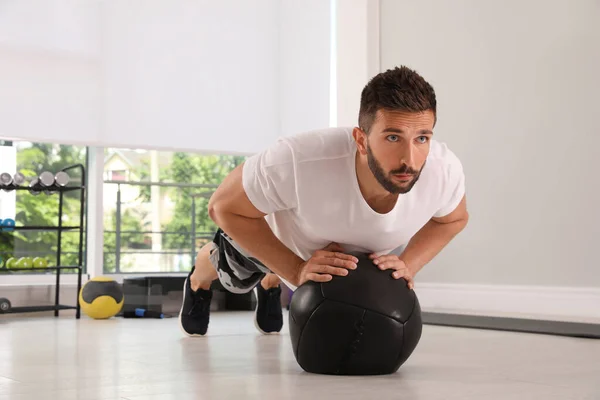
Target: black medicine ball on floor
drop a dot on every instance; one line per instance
(365, 323)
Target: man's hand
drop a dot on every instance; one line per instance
(325, 263)
(391, 261)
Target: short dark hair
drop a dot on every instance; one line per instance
(398, 89)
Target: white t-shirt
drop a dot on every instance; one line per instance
(307, 186)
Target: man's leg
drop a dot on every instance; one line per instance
(195, 310)
(204, 272)
(269, 316)
(239, 274)
(270, 281)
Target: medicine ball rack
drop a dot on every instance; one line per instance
(7, 308)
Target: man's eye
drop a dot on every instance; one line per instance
(423, 139)
(392, 138)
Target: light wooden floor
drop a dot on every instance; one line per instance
(44, 358)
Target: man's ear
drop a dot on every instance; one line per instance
(360, 138)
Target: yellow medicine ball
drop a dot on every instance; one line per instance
(101, 297)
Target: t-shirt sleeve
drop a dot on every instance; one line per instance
(453, 186)
(269, 178)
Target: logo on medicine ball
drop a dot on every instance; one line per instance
(101, 298)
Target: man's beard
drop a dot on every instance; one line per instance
(384, 179)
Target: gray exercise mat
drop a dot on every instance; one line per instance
(573, 329)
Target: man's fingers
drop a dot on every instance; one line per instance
(393, 264)
(328, 269)
(341, 260)
(318, 277)
(386, 258)
(390, 265)
(406, 275)
(336, 259)
(401, 273)
(334, 254)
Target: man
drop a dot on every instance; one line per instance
(296, 211)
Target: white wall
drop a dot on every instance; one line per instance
(517, 84)
(357, 54)
(304, 60)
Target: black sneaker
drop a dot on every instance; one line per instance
(269, 317)
(195, 310)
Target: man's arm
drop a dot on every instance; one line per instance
(433, 237)
(231, 209)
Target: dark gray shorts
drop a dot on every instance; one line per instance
(238, 271)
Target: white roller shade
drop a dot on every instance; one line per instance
(225, 76)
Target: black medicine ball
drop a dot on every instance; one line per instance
(364, 323)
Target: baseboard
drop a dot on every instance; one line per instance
(571, 303)
(15, 280)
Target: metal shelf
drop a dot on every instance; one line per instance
(14, 270)
(41, 190)
(5, 228)
(59, 228)
(56, 308)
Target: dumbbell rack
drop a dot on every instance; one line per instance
(59, 228)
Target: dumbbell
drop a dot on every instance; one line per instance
(25, 263)
(11, 263)
(5, 305)
(34, 187)
(61, 179)
(7, 225)
(8, 182)
(5, 180)
(40, 262)
(47, 181)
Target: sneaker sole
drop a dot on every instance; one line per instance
(181, 312)
(256, 317)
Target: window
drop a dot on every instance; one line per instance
(32, 210)
(118, 175)
(156, 219)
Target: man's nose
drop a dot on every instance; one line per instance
(408, 155)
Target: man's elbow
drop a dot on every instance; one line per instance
(212, 214)
(215, 211)
(464, 221)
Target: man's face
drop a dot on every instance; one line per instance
(397, 148)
